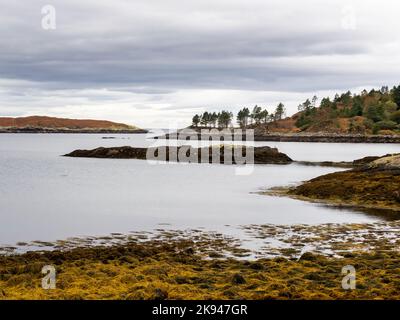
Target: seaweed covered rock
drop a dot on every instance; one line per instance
(364, 161)
(116, 152)
(226, 154)
(129, 271)
(375, 184)
(389, 162)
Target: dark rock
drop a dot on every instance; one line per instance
(238, 279)
(189, 251)
(160, 294)
(270, 155)
(308, 256)
(256, 266)
(227, 154)
(396, 195)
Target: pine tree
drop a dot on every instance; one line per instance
(280, 111)
(396, 96)
(196, 120)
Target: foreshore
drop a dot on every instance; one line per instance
(194, 267)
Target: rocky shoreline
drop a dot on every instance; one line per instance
(66, 130)
(329, 138)
(300, 137)
(262, 155)
(373, 183)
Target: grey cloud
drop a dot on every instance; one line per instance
(91, 48)
(157, 47)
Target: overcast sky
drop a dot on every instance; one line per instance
(155, 63)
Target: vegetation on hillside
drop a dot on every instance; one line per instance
(373, 112)
(244, 117)
(212, 119)
(376, 111)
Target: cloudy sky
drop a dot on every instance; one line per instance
(155, 63)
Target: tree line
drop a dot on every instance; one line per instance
(244, 117)
(379, 109)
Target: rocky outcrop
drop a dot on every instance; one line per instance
(113, 153)
(364, 161)
(270, 155)
(386, 163)
(215, 154)
(375, 184)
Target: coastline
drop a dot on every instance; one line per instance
(299, 137)
(178, 266)
(66, 130)
(373, 183)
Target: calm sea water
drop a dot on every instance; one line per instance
(44, 196)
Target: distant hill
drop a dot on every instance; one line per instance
(43, 122)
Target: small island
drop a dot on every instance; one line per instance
(262, 155)
(43, 124)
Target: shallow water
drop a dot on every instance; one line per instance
(44, 196)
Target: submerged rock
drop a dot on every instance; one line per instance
(215, 154)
